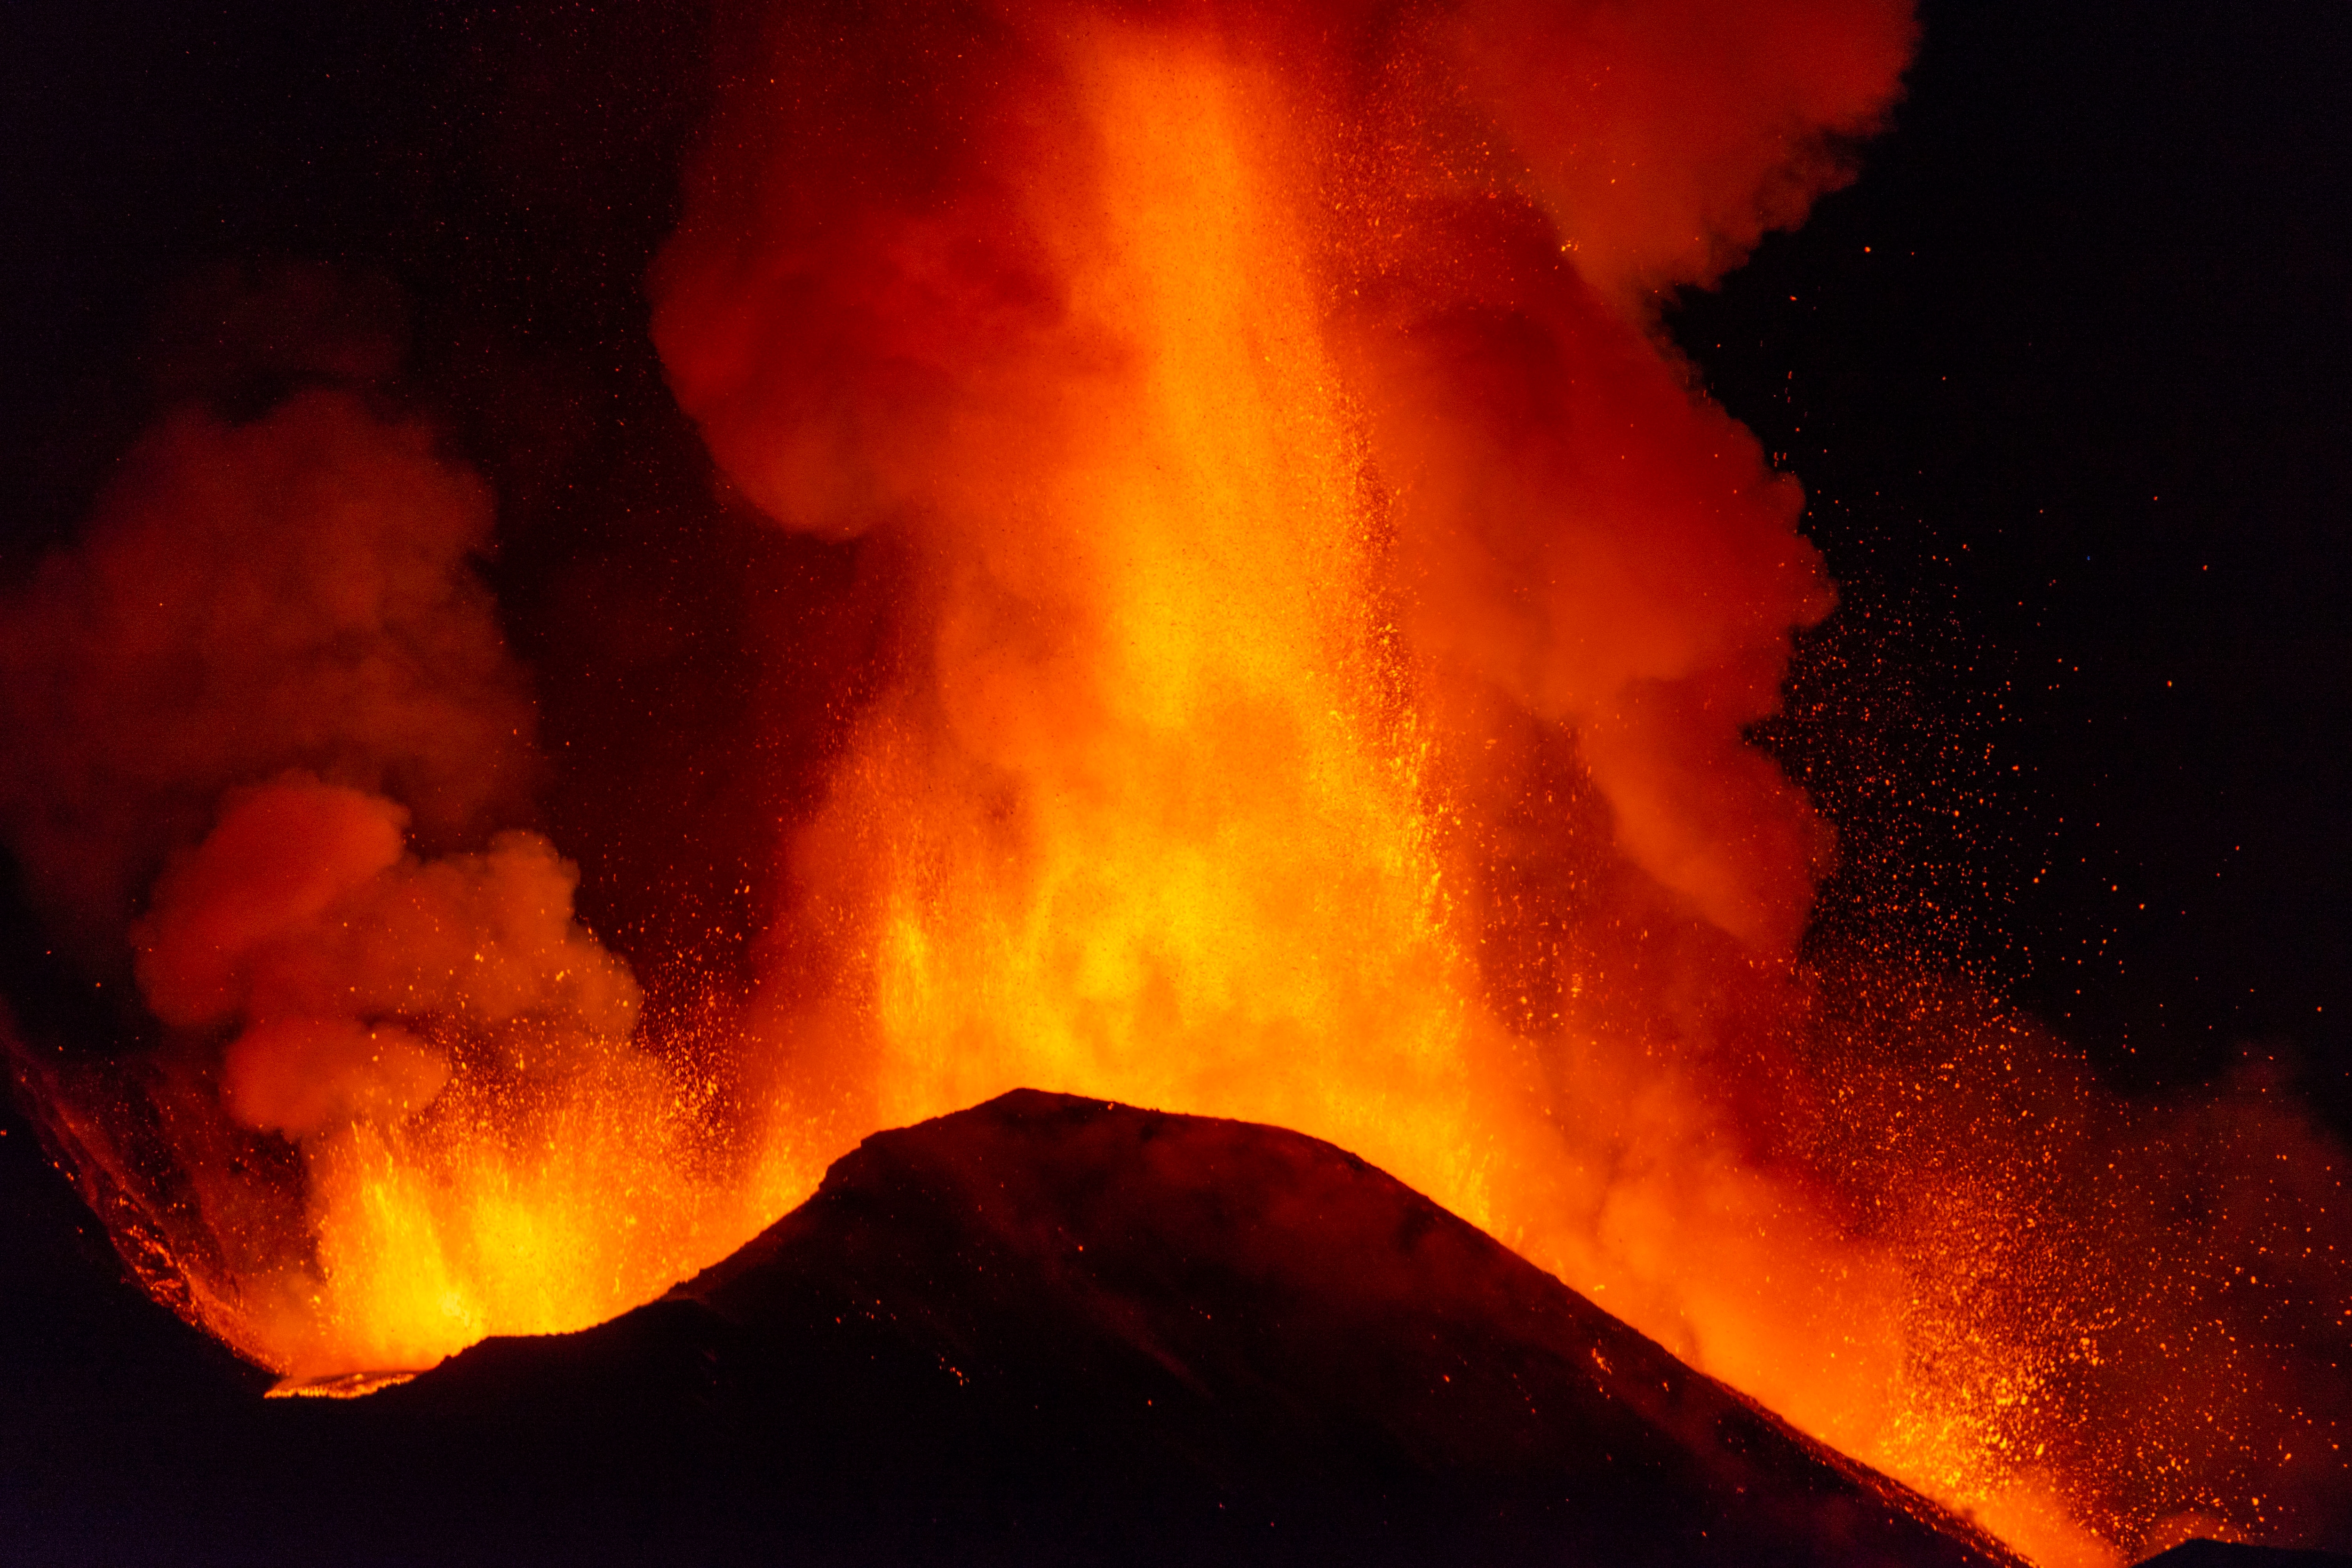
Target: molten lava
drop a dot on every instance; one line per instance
(1325, 623)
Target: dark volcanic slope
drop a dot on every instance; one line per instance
(1050, 1326)
(1049, 1330)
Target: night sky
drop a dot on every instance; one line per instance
(2061, 373)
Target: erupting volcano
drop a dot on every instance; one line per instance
(1287, 647)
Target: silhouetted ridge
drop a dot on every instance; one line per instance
(1049, 1329)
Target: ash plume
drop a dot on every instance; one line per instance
(272, 755)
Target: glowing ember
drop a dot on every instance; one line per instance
(1326, 626)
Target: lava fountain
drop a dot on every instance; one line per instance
(1324, 622)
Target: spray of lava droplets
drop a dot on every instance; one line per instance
(1323, 624)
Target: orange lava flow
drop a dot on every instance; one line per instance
(1326, 626)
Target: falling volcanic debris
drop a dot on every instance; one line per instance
(1322, 624)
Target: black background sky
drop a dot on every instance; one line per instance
(2063, 372)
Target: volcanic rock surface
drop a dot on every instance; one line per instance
(1045, 1330)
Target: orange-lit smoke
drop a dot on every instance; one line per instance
(394, 1105)
(1285, 517)
(1325, 624)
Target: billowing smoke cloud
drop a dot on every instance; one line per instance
(248, 599)
(1324, 626)
(302, 916)
(1665, 139)
(264, 703)
(1282, 510)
